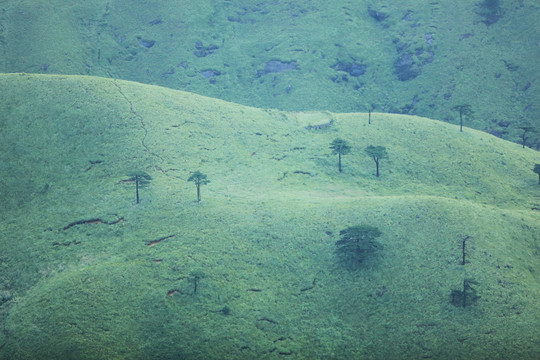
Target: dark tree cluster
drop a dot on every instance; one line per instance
(490, 11)
(141, 179)
(356, 243)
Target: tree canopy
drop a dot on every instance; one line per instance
(340, 147)
(464, 110)
(377, 153)
(357, 242)
(199, 179)
(526, 131)
(140, 178)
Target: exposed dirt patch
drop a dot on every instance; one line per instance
(93, 221)
(155, 242)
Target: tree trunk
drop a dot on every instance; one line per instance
(137, 187)
(339, 162)
(463, 244)
(198, 192)
(369, 118)
(377, 164)
(460, 121)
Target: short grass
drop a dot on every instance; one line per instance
(220, 49)
(259, 248)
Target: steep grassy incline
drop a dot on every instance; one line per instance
(250, 272)
(409, 57)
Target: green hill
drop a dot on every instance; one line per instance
(408, 57)
(251, 271)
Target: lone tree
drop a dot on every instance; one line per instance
(370, 109)
(465, 297)
(357, 242)
(140, 178)
(463, 110)
(340, 147)
(199, 179)
(377, 153)
(195, 276)
(525, 136)
(537, 170)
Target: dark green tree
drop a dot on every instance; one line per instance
(340, 147)
(195, 276)
(370, 110)
(536, 169)
(464, 110)
(140, 178)
(357, 242)
(199, 179)
(490, 10)
(377, 153)
(465, 297)
(525, 136)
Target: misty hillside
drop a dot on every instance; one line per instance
(252, 270)
(407, 57)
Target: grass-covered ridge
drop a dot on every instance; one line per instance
(260, 246)
(411, 57)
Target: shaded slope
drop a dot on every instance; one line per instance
(86, 283)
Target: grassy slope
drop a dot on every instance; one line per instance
(98, 290)
(490, 67)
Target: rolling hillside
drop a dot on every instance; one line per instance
(251, 271)
(408, 57)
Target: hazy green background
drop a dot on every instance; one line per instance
(78, 277)
(451, 52)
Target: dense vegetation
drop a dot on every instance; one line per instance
(251, 271)
(408, 57)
